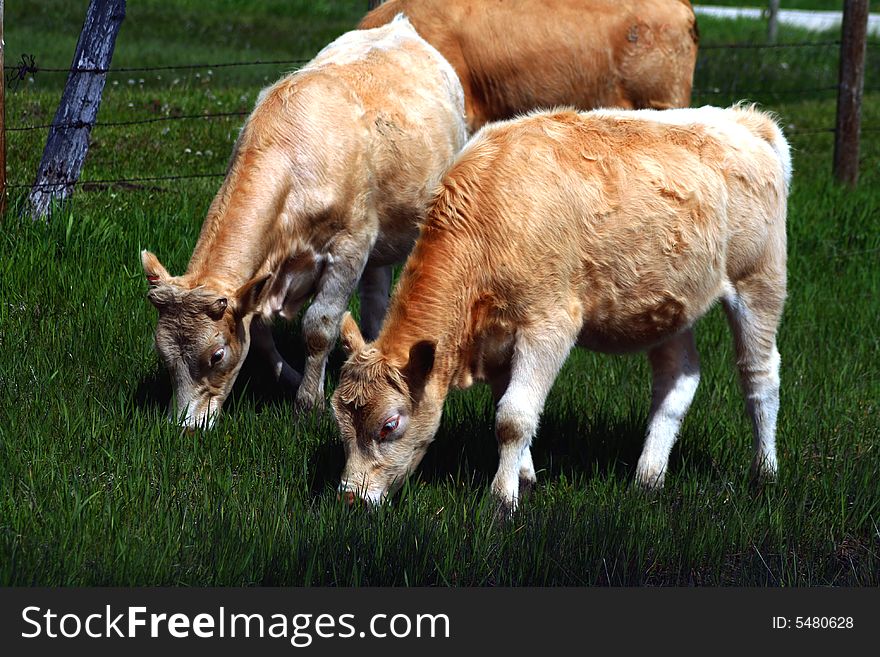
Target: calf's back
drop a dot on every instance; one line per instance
(519, 55)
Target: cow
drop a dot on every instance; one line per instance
(331, 174)
(613, 230)
(519, 55)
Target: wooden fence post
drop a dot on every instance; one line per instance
(68, 140)
(772, 21)
(849, 93)
(2, 118)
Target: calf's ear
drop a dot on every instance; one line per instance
(217, 308)
(418, 369)
(155, 272)
(250, 295)
(352, 340)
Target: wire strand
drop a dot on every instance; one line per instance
(116, 181)
(757, 46)
(28, 65)
(34, 68)
(216, 115)
(84, 124)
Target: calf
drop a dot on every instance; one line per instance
(611, 230)
(519, 55)
(328, 180)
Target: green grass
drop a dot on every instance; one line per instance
(98, 489)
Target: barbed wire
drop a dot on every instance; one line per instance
(193, 176)
(758, 46)
(83, 124)
(20, 70)
(215, 115)
(157, 119)
(28, 66)
(115, 181)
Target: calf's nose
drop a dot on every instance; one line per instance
(348, 497)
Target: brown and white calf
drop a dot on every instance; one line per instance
(328, 180)
(519, 55)
(611, 230)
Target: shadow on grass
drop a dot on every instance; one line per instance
(465, 452)
(569, 443)
(574, 446)
(253, 386)
(325, 469)
(154, 391)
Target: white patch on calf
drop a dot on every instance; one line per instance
(759, 377)
(676, 369)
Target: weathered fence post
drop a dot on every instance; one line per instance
(68, 140)
(2, 118)
(372, 4)
(849, 92)
(772, 21)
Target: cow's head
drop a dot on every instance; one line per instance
(202, 337)
(387, 413)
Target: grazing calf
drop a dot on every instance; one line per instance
(612, 230)
(328, 180)
(519, 55)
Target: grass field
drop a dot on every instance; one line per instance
(98, 489)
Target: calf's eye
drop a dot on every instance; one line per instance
(217, 356)
(389, 426)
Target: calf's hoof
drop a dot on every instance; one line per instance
(308, 404)
(761, 474)
(315, 409)
(503, 511)
(526, 486)
(504, 507)
(650, 480)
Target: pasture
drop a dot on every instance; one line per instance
(97, 488)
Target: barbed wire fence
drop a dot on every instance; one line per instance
(28, 67)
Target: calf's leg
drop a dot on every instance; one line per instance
(753, 312)
(535, 363)
(676, 369)
(262, 340)
(527, 476)
(320, 325)
(373, 289)
(499, 379)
